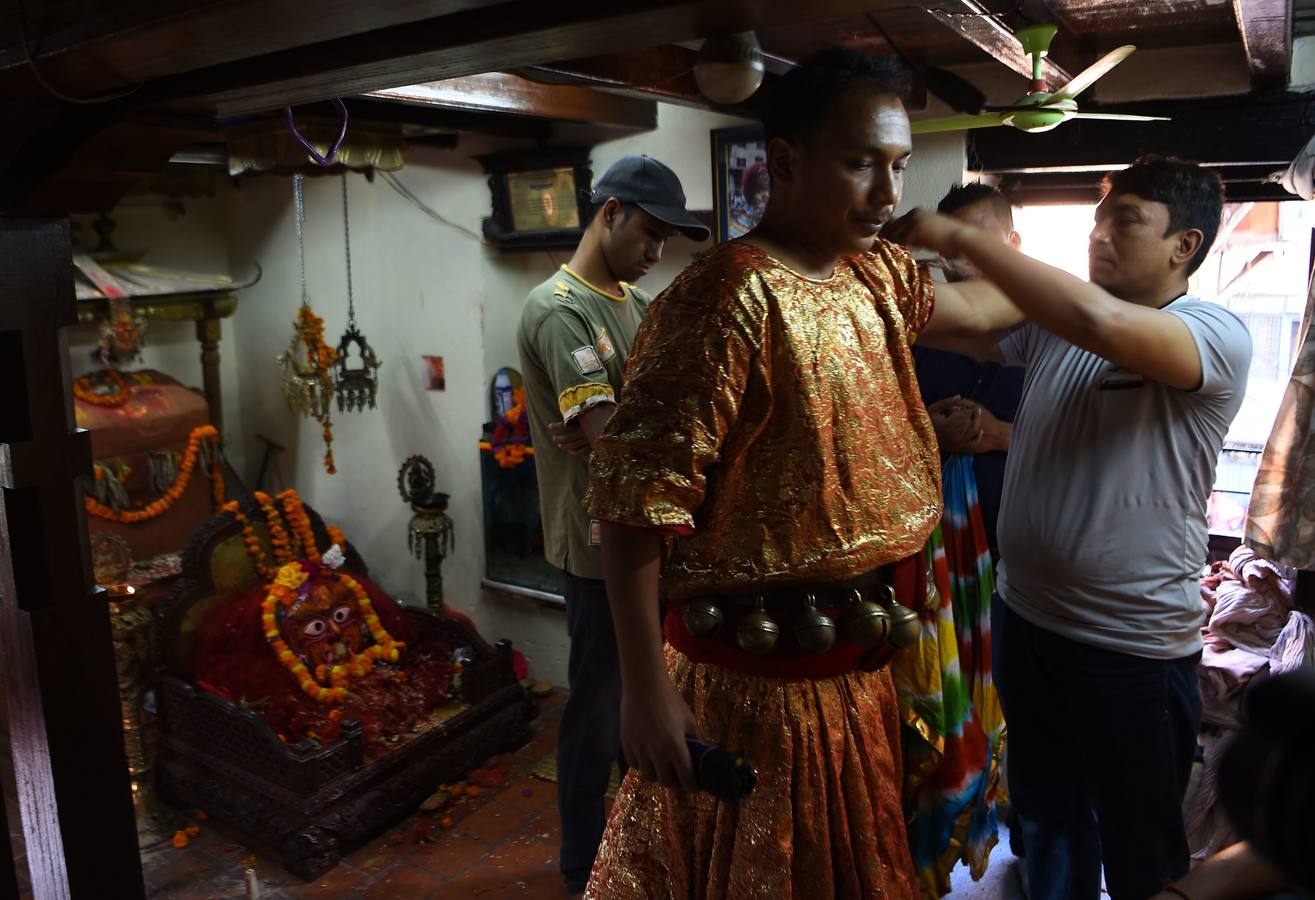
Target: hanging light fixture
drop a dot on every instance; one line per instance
(729, 67)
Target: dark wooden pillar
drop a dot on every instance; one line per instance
(208, 331)
(64, 720)
(8, 872)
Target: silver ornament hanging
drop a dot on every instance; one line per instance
(357, 387)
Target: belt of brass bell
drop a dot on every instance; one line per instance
(864, 622)
(701, 618)
(905, 629)
(815, 631)
(757, 632)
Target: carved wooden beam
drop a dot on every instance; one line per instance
(84, 46)
(520, 33)
(976, 24)
(1266, 27)
(497, 92)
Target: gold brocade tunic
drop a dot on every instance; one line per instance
(778, 417)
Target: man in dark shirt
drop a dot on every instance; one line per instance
(972, 403)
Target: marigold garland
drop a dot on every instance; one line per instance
(166, 500)
(322, 358)
(299, 522)
(283, 592)
(84, 388)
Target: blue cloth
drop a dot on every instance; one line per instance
(942, 374)
(589, 739)
(1101, 746)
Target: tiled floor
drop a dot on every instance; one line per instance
(500, 844)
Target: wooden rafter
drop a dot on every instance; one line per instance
(977, 24)
(514, 34)
(662, 73)
(498, 92)
(1266, 29)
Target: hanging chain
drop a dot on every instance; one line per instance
(347, 247)
(300, 204)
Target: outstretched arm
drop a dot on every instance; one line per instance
(1155, 343)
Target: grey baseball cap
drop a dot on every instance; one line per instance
(654, 188)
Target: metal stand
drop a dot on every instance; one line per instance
(429, 534)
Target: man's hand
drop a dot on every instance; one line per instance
(926, 229)
(993, 434)
(571, 438)
(955, 422)
(654, 725)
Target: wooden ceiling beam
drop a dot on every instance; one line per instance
(451, 120)
(653, 73)
(662, 73)
(498, 92)
(518, 33)
(976, 23)
(88, 47)
(1266, 29)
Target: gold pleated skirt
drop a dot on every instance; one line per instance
(824, 820)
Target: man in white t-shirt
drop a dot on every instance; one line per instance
(1131, 385)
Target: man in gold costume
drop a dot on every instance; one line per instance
(771, 431)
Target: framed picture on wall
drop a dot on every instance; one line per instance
(739, 178)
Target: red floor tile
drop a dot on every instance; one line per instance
(450, 856)
(407, 882)
(493, 822)
(529, 794)
(337, 883)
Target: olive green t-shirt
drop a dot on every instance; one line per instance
(574, 340)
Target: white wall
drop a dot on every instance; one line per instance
(419, 290)
(937, 164)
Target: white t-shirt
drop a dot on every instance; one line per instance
(1102, 524)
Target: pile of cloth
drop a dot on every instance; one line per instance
(1252, 631)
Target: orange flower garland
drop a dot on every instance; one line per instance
(322, 357)
(84, 389)
(283, 592)
(253, 545)
(278, 537)
(170, 497)
(299, 522)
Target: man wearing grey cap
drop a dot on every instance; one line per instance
(575, 335)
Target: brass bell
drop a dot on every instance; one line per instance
(864, 622)
(905, 629)
(757, 633)
(814, 631)
(701, 618)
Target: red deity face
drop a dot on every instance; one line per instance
(323, 626)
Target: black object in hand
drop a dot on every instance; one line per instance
(726, 776)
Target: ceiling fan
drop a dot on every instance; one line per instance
(1039, 109)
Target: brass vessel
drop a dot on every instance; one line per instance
(814, 631)
(905, 629)
(757, 632)
(864, 622)
(702, 618)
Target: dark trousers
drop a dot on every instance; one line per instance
(590, 737)
(1100, 750)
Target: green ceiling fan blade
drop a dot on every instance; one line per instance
(1119, 117)
(956, 123)
(1093, 73)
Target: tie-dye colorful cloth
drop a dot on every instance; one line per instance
(954, 729)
